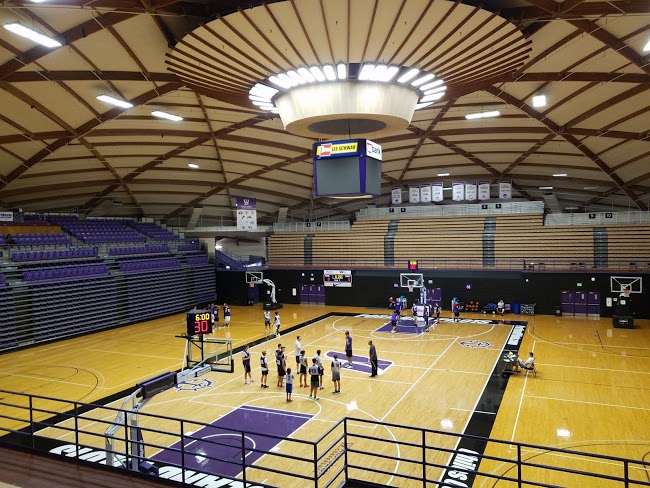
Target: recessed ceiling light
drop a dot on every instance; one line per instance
(539, 101)
(563, 433)
(316, 72)
(545, 187)
(559, 174)
(32, 35)
(410, 74)
(423, 79)
(647, 47)
(114, 101)
(443, 174)
(193, 166)
(483, 115)
(165, 115)
(422, 105)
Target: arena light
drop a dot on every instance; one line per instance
(539, 101)
(341, 71)
(647, 47)
(443, 174)
(559, 175)
(306, 75)
(431, 98)
(428, 86)
(436, 90)
(114, 101)
(482, 115)
(193, 165)
(32, 35)
(545, 187)
(418, 106)
(296, 77)
(318, 73)
(165, 115)
(330, 74)
(423, 79)
(366, 72)
(408, 76)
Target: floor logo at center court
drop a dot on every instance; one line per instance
(195, 384)
(475, 344)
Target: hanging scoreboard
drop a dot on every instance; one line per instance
(337, 277)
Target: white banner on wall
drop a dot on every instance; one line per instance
(436, 192)
(505, 189)
(425, 193)
(414, 194)
(470, 190)
(6, 216)
(483, 190)
(458, 191)
(396, 195)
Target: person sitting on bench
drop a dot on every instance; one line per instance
(529, 364)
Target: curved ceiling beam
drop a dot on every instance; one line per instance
(84, 129)
(68, 37)
(553, 127)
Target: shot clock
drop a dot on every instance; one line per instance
(199, 322)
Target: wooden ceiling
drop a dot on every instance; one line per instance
(62, 148)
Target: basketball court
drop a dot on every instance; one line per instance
(591, 394)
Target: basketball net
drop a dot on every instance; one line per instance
(626, 292)
(411, 287)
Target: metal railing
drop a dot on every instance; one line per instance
(324, 226)
(536, 264)
(598, 218)
(352, 449)
(407, 211)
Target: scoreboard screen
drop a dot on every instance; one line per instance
(199, 322)
(413, 265)
(337, 277)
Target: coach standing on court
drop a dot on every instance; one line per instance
(373, 359)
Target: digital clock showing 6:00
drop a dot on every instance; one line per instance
(199, 322)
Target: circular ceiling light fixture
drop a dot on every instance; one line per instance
(356, 99)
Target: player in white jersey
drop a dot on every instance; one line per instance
(276, 322)
(267, 322)
(336, 374)
(321, 369)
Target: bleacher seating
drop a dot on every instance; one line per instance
(153, 231)
(101, 231)
(149, 265)
(50, 239)
(197, 260)
(72, 272)
(53, 255)
(124, 251)
(7, 326)
(188, 246)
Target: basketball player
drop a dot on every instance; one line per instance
(282, 365)
(289, 378)
(303, 370)
(425, 316)
(226, 315)
(297, 348)
(265, 370)
(414, 311)
(314, 374)
(348, 349)
(267, 322)
(437, 310)
(246, 361)
(456, 309)
(393, 322)
(372, 355)
(398, 308)
(276, 322)
(215, 308)
(529, 364)
(321, 369)
(336, 374)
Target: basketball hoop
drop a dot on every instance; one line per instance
(411, 285)
(626, 292)
(252, 284)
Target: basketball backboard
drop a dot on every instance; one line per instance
(620, 283)
(254, 276)
(416, 280)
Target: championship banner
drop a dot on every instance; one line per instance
(396, 195)
(414, 194)
(436, 192)
(458, 191)
(246, 213)
(483, 190)
(425, 193)
(6, 216)
(505, 189)
(470, 190)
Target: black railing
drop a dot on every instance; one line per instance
(352, 449)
